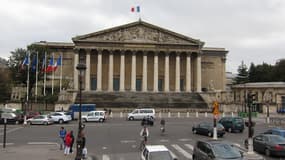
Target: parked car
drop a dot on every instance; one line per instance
(139, 114)
(206, 128)
(41, 119)
(276, 131)
(60, 117)
(12, 118)
(96, 116)
(232, 124)
(269, 144)
(216, 150)
(157, 152)
(147, 121)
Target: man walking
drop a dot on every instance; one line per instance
(62, 133)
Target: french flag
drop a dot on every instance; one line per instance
(26, 61)
(57, 63)
(136, 9)
(50, 65)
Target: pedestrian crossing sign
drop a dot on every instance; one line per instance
(216, 108)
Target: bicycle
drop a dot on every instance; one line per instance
(143, 143)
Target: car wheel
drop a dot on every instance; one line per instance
(60, 121)
(267, 152)
(131, 118)
(230, 130)
(194, 157)
(16, 122)
(85, 120)
(29, 123)
(241, 131)
(195, 131)
(210, 134)
(45, 123)
(101, 120)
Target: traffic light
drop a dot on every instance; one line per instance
(251, 99)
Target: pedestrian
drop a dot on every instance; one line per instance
(110, 111)
(82, 136)
(68, 141)
(62, 134)
(72, 141)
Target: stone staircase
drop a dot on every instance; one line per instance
(143, 99)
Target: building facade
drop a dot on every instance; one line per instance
(141, 57)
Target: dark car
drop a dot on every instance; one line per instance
(147, 121)
(269, 144)
(206, 128)
(232, 124)
(12, 118)
(216, 150)
(276, 131)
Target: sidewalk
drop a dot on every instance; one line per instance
(35, 152)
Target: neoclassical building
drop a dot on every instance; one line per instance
(140, 57)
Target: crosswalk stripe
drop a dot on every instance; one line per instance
(189, 146)
(105, 157)
(182, 151)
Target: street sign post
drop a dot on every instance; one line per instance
(216, 113)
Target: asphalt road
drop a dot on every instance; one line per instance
(119, 139)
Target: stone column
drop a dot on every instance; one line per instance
(99, 71)
(198, 76)
(133, 76)
(177, 73)
(155, 73)
(144, 80)
(166, 73)
(110, 78)
(122, 72)
(188, 72)
(75, 71)
(87, 74)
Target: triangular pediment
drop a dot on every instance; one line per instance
(138, 32)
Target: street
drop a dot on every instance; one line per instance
(118, 138)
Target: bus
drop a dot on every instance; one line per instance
(85, 108)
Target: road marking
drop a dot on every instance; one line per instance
(182, 151)
(128, 141)
(11, 130)
(7, 144)
(164, 140)
(105, 157)
(189, 146)
(43, 143)
(184, 139)
(104, 148)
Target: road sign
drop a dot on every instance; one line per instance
(216, 108)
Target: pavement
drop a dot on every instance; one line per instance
(36, 152)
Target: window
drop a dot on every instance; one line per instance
(93, 83)
(160, 84)
(138, 84)
(97, 113)
(181, 84)
(116, 84)
(90, 114)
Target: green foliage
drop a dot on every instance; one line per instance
(5, 88)
(242, 76)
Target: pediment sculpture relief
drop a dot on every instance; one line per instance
(139, 34)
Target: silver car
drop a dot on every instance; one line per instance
(40, 119)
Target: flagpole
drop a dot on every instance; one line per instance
(52, 76)
(60, 82)
(45, 74)
(36, 90)
(28, 82)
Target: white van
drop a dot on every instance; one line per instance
(141, 113)
(97, 116)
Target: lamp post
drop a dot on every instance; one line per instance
(81, 68)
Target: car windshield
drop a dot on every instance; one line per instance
(165, 155)
(277, 139)
(238, 120)
(225, 151)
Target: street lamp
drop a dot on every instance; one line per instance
(79, 147)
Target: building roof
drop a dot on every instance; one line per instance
(261, 85)
(55, 44)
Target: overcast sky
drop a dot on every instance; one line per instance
(252, 30)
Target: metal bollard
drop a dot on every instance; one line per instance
(232, 114)
(121, 114)
(223, 114)
(111, 114)
(197, 114)
(178, 114)
(159, 115)
(206, 114)
(188, 115)
(169, 114)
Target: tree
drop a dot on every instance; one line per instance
(19, 74)
(242, 76)
(5, 90)
(279, 70)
